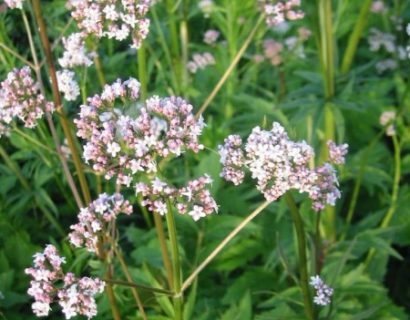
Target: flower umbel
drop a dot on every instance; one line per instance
(20, 97)
(50, 283)
(194, 199)
(121, 145)
(116, 19)
(278, 165)
(94, 220)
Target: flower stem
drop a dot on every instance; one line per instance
(222, 245)
(142, 71)
(357, 185)
(127, 274)
(58, 103)
(159, 227)
(175, 47)
(355, 36)
(328, 69)
(50, 122)
(176, 264)
(110, 293)
(231, 67)
(395, 194)
(99, 69)
(303, 269)
(140, 286)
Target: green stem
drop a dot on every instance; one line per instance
(355, 36)
(395, 194)
(176, 264)
(175, 48)
(328, 70)
(231, 67)
(142, 71)
(127, 274)
(358, 184)
(140, 286)
(111, 296)
(222, 245)
(17, 55)
(99, 69)
(50, 122)
(14, 167)
(303, 269)
(159, 227)
(33, 141)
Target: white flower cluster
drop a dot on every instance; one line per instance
(323, 291)
(67, 84)
(279, 164)
(200, 61)
(12, 4)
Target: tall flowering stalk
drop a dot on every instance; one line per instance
(58, 102)
(278, 165)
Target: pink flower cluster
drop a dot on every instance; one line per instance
(20, 97)
(94, 220)
(50, 283)
(282, 10)
(200, 61)
(120, 145)
(323, 291)
(278, 165)
(337, 153)
(211, 36)
(193, 199)
(116, 19)
(12, 4)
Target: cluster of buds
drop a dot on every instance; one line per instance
(282, 11)
(115, 19)
(211, 36)
(323, 291)
(50, 283)
(193, 199)
(207, 7)
(75, 53)
(200, 61)
(378, 7)
(337, 153)
(94, 220)
(279, 164)
(387, 119)
(20, 97)
(121, 145)
(67, 84)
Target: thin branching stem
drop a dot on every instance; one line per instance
(303, 266)
(394, 197)
(127, 274)
(50, 122)
(57, 100)
(230, 68)
(176, 263)
(223, 244)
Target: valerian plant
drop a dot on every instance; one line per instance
(187, 159)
